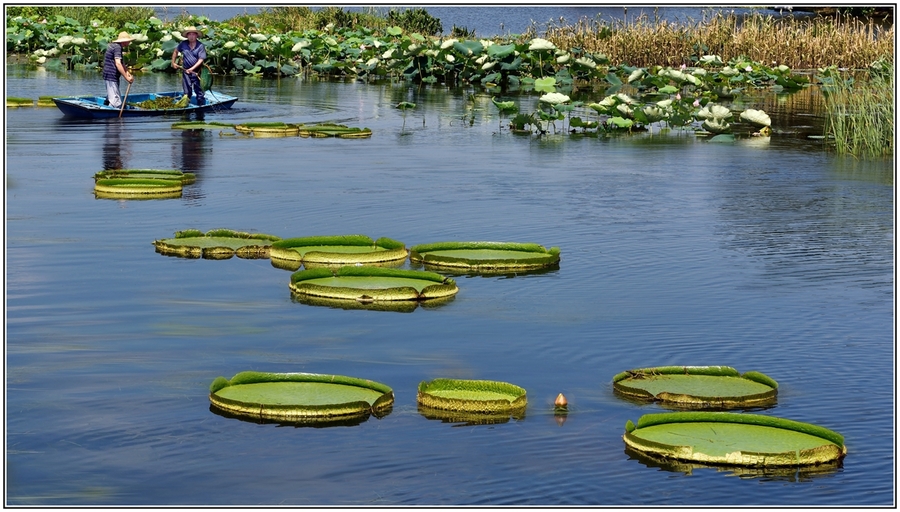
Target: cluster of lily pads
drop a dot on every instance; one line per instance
(712, 436)
(279, 129)
(42, 101)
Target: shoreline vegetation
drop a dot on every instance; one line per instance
(682, 67)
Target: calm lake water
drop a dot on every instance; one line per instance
(775, 257)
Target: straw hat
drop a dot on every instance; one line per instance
(123, 38)
(188, 30)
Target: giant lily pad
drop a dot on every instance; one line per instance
(274, 129)
(13, 101)
(300, 397)
(697, 386)
(185, 178)
(472, 396)
(45, 101)
(470, 418)
(129, 188)
(216, 244)
(333, 130)
(335, 250)
(485, 255)
(751, 440)
(367, 284)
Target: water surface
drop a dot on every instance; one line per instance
(774, 257)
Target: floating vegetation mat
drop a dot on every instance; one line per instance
(216, 244)
(366, 284)
(45, 101)
(13, 101)
(697, 386)
(750, 440)
(322, 130)
(485, 256)
(318, 251)
(472, 396)
(185, 178)
(126, 188)
(163, 103)
(300, 397)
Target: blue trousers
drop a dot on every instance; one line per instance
(192, 82)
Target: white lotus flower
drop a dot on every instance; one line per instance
(699, 72)
(636, 74)
(654, 114)
(243, 52)
(450, 58)
(229, 45)
(783, 68)
(756, 117)
(715, 125)
(541, 44)
(608, 101)
(258, 37)
(177, 35)
(665, 103)
(160, 52)
(376, 43)
(448, 43)
(712, 111)
(431, 53)
(52, 52)
(480, 60)
(486, 42)
(554, 98)
(39, 52)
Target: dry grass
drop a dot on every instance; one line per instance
(806, 43)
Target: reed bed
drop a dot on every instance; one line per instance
(860, 116)
(807, 43)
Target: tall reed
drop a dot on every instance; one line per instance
(800, 43)
(860, 115)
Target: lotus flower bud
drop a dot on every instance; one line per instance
(561, 401)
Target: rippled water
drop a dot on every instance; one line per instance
(774, 257)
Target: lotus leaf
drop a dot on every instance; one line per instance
(714, 125)
(538, 44)
(713, 111)
(554, 98)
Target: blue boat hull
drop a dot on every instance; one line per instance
(92, 107)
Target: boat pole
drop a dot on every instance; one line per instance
(125, 98)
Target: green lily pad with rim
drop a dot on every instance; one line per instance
(485, 256)
(186, 178)
(45, 101)
(300, 397)
(697, 386)
(317, 251)
(740, 439)
(366, 284)
(125, 188)
(201, 125)
(470, 418)
(276, 129)
(13, 101)
(472, 396)
(323, 130)
(216, 244)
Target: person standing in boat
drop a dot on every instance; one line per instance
(193, 53)
(113, 68)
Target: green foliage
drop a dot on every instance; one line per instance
(415, 20)
(860, 112)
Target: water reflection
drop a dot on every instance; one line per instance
(786, 474)
(470, 418)
(113, 151)
(312, 422)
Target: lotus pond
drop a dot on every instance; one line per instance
(767, 254)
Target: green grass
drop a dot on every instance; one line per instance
(860, 114)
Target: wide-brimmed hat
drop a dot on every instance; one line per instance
(123, 38)
(188, 30)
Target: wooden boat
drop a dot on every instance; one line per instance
(92, 107)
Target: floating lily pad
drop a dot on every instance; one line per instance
(125, 188)
(13, 101)
(186, 178)
(201, 125)
(333, 130)
(276, 129)
(790, 473)
(45, 101)
(751, 440)
(216, 244)
(316, 251)
(485, 256)
(697, 386)
(366, 284)
(300, 397)
(472, 396)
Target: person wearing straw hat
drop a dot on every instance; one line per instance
(193, 53)
(113, 68)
